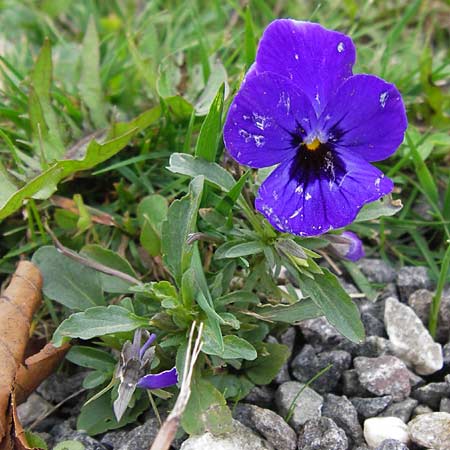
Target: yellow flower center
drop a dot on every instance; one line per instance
(314, 145)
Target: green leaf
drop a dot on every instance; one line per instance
(98, 417)
(188, 165)
(36, 441)
(302, 310)
(67, 281)
(7, 187)
(41, 110)
(92, 358)
(151, 213)
(181, 221)
(232, 386)
(69, 445)
(250, 41)
(234, 347)
(98, 321)
(114, 261)
(43, 186)
(385, 206)
(337, 306)
(206, 410)
(210, 131)
(90, 85)
(236, 250)
(95, 378)
(225, 205)
(271, 357)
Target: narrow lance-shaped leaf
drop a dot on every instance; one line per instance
(325, 290)
(210, 131)
(90, 85)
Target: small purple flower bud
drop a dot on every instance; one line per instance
(149, 342)
(159, 380)
(355, 249)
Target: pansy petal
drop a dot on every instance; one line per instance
(355, 249)
(297, 199)
(317, 60)
(263, 119)
(159, 380)
(367, 116)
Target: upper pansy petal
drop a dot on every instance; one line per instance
(366, 116)
(264, 118)
(305, 200)
(317, 60)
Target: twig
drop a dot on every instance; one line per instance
(169, 428)
(52, 410)
(89, 262)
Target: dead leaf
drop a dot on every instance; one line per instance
(18, 379)
(17, 305)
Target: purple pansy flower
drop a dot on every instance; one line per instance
(134, 359)
(301, 107)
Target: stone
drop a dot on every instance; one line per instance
(373, 346)
(371, 407)
(283, 374)
(446, 355)
(420, 301)
(322, 434)
(378, 429)
(431, 394)
(392, 444)
(65, 431)
(268, 424)
(376, 270)
(410, 340)
(431, 430)
(320, 333)
(385, 375)
(240, 438)
(137, 438)
(288, 338)
(307, 364)
(261, 395)
(410, 279)
(372, 325)
(402, 410)
(34, 408)
(308, 404)
(341, 410)
(351, 386)
(414, 380)
(444, 405)
(57, 387)
(421, 409)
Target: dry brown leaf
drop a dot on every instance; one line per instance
(18, 379)
(18, 303)
(36, 369)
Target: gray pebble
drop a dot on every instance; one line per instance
(376, 270)
(444, 405)
(341, 410)
(307, 364)
(385, 375)
(392, 444)
(403, 410)
(351, 386)
(261, 395)
(431, 394)
(308, 404)
(410, 279)
(371, 407)
(268, 424)
(322, 434)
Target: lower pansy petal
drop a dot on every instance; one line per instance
(159, 380)
(266, 119)
(309, 199)
(366, 116)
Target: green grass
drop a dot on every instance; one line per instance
(146, 53)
